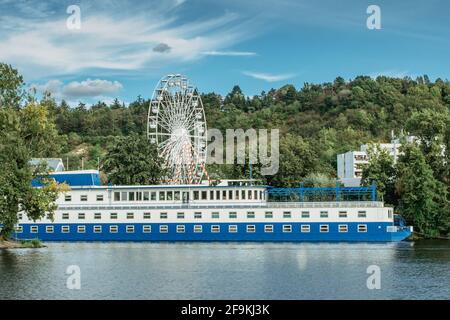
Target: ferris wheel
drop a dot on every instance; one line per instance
(177, 125)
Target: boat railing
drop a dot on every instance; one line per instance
(267, 205)
(332, 204)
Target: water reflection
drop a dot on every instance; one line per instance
(228, 271)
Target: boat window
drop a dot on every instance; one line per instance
(251, 228)
(305, 228)
(130, 196)
(287, 228)
(343, 228)
(232, 228)
(198, 228)
(204, 195)
(324, 228)
(232, 215)
(362, 214)
(215, 228)
(116, 196)
(362, 227)
(268, 228)
(146, 196)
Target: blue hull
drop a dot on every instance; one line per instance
(376, 232)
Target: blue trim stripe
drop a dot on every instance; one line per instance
(376, 231)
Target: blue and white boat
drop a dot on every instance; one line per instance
(233, 210)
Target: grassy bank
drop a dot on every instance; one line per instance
(13, 244)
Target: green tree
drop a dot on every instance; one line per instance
(11, 87)
(16, 175)
(133, 160)
(39, 131)
(296, 161)
(422, 198)
(381, 170)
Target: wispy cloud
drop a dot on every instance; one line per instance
(269, 77)
(229, 53)
(45, 47)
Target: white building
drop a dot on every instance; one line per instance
(350, 164)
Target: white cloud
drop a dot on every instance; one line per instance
(91, 88)
(269, 77)
(45, 47)
(74, 90)
(229, 53)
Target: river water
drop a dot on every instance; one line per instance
(407, 270)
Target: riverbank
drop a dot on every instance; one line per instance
(13, 244)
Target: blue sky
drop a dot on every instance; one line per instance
(124, 47)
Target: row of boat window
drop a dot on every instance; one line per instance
(214, 215)
(178, 195)
(197, 228)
